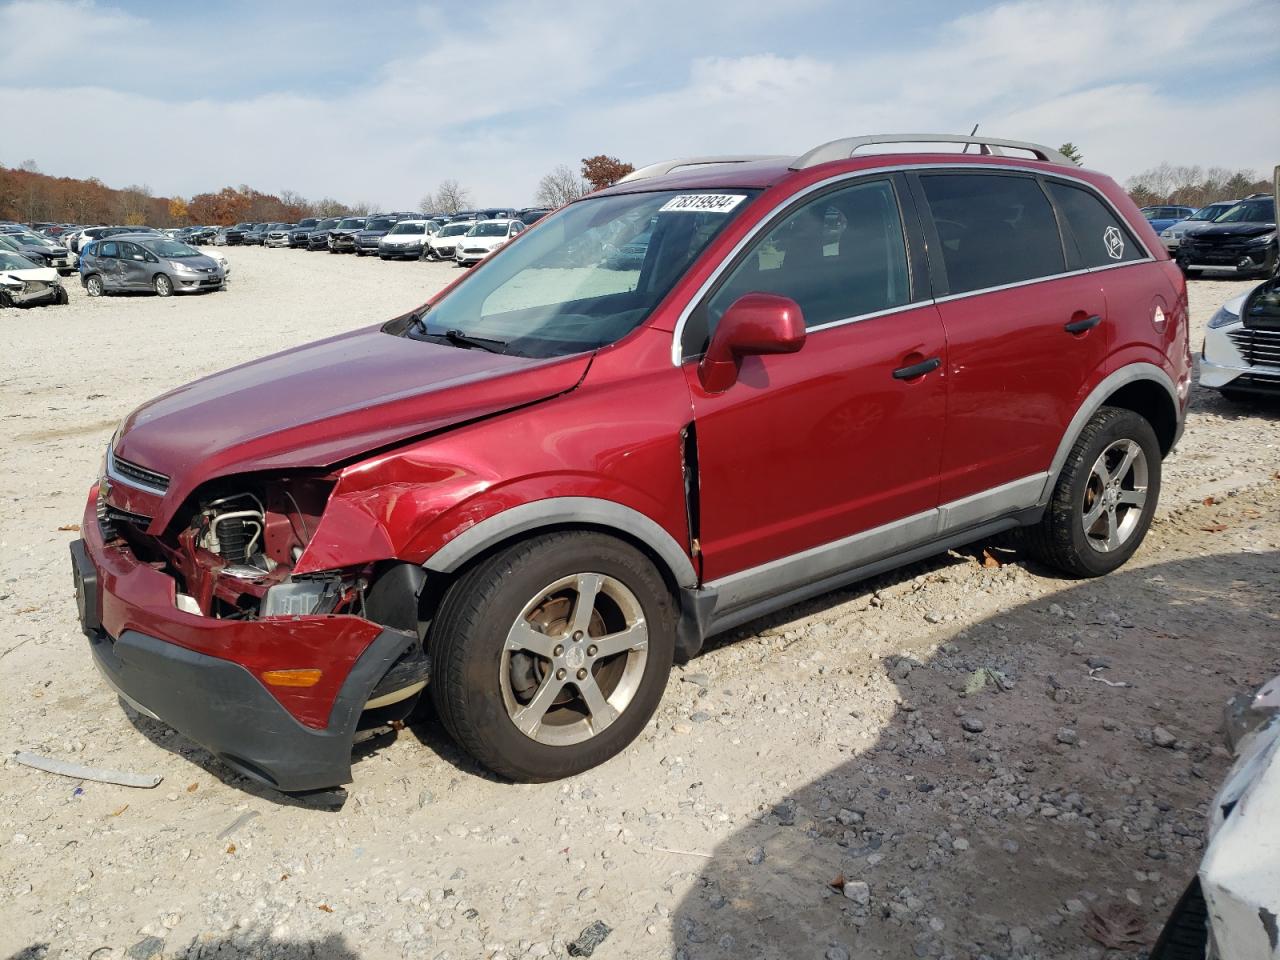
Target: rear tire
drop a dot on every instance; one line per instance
(521, 677)
(1103, 499)
(93, 285)
(162, 285)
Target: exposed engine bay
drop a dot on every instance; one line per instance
(233, 556)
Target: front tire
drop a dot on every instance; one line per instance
(162, 285)
(1104, 498)
(552, 655)
(61, 298)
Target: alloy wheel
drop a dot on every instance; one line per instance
(1115, 495)
(574, 659)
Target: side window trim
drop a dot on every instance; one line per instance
(918, 288)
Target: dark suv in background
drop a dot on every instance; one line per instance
(318, 238)
(377, 227)
(300, 234)
(235, 235)
(1241, 241)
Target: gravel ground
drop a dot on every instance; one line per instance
(921, 765)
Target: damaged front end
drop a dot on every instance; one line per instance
(204, 621)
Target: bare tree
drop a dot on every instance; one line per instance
(450, 197)
(562, 185)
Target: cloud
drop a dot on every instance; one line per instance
(497, 94)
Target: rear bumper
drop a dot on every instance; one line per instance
(202, 675)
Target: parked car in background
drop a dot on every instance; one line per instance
(1166, 216)
(299, 234)
(342, 238)
(40, 250)
(279, 554)
(629, 256)
(24, 283)
(444, 244)
(484, 237)
(236, 234)
(134, 262)
(1171, 235)
(1240, 356)
(531, 215)
(257, 235)
(375, 228)
(404, 241)
(199, 235)
(220, 237)
(277, 234)
(1240, 242)
(318, 239)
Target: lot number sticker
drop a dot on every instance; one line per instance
(702, 203)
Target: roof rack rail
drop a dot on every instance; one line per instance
(666, 166)
(990, 146)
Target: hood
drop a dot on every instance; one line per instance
(1230, 230)
(332, 400)
(39, 274)
(345, 230)
(487, 242)
(203, 262)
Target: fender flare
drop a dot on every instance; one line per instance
(1130, 373)
(557, 511)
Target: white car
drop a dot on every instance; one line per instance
(406, 240)
(484, 237)
(278, 235)
(23, 284)
(1240, 361)
(444, 244)
(1230, 910)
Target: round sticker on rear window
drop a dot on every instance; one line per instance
(1114, 241)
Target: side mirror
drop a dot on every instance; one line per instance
(755, 324)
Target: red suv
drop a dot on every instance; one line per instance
(715, 389)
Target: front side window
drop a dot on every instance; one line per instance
(1099, 236)
(565, 289)
(994, 229)
(840, 256)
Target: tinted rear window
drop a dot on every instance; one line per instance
(994, 229)
(1099, 237)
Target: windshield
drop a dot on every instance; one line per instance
(407, 228)
(11, 261)
(1209, 212)
(1250, 211)
(488, 230)
(327, 224)
(172, 248)
(562, 289)
(382, 223)
(455, 229)
(351, 223)
(309, 222)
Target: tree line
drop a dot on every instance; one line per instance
(29, 196)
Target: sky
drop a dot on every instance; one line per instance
(380, 101)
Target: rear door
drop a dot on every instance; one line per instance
(1026, 333)
(808, 449)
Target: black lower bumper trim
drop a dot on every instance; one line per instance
(224, 708)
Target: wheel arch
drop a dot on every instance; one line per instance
(561, 513)
(1143, 388)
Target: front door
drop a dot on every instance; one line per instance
(135, 270)
(824, 451)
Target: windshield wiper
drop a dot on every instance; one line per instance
(484, 343)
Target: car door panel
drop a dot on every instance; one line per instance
(808, 450)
